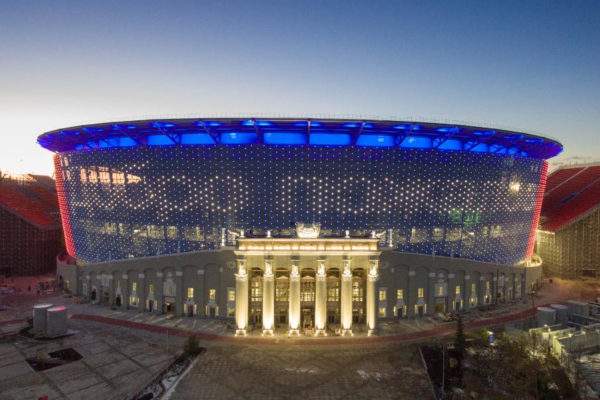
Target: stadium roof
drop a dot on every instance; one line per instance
(571, 193)
(408, 135)
(37, 205)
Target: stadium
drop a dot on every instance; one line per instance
(301, 226)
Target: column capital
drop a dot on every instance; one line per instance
(294, 273)
(241, 278)
(268, 278)
(373, 278)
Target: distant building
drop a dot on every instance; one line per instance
(30, 229)
(568, 239)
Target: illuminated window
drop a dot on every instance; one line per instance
(400, 294)
(487, 285)
(170, 290)
(134, 286)
(333, 290)
(440, 290)
(104, 175)
(67, 284)
(172, 232)
(357, 291)
(420, 293)
(190, 293)
(231, 312)
(307, 290)
(382, 312)
(256, 290)
(473, 288)
(281, 290)
(212, 294)
(382, 294)
(151, 289)
(457, 291)
(93, 176)
(118, 178)
(230, 294)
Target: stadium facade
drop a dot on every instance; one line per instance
(296, 224)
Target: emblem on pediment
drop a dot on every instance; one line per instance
(308, 231)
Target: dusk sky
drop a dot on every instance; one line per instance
(531, 66)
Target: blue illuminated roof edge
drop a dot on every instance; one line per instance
(409, 135)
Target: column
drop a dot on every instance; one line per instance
(241, 299)
(430, 309)
(88, 281)
(141, 292)
(268, 302)
(111, 290)
(467, 295)
(125, 292)
(412, 289)
(179, 292)
(371, 298)
(320, 299)
(346, 306)
(480, 300)
(294, 300)
(158, 293)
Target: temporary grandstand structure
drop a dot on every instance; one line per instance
(568, 239)
(30, 229)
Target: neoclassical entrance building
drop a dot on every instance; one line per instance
(303, 284)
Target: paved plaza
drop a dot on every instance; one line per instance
(116, 363)
(231, 371)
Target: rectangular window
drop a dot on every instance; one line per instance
(487, 285)
(382, 294)
(151, 289)
(457, 289)
(382, 312)
(104, 175)
(357, 291)
(400, 294)
(420, 293)
(134, 286)
(118, 178)
(333, 294)
(67, 284)
(212, 294)
(93, 176)
(281, 289)
(231, 312)
(440, 290)
(333, 290)
(307, 291)
(230, 294)
(190, 293)
(473, 288)
(256, 292)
